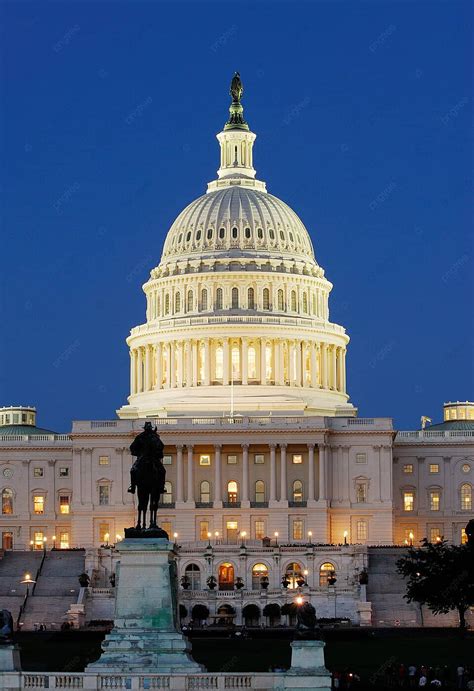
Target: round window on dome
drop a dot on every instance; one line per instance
(247, 233)
(180, 237)
(235, 233)
(259, 233)
(221, 233)
(466, 468)
(209, 234)
(282, 235)
(198, 235)
(271, 233)
(291, 237)
(188, 236)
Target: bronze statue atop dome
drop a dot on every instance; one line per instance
(236, 88)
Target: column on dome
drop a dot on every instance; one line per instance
(263, 362)
(281, 348)
(207, 362)
(333, 368)
(190, 473)
(344, 370)
(272, 472)
(140, 370)
(147, 368)
(179, 473)
(310, 494)
(133, 354)
(189, 371)
(244, 361)
(168, 365)
(226, 357)
(179, 368)
(283, 487)
(299, 350)
(158, 366)
(173, 364)
(324, 366)
(245, 473)
(195, 363)
(339, 369)
(314, 366)
(291, 363)
(322, 472)
(217, 476)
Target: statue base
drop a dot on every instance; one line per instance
(146, 533)
(9, 658)
(145, 637)
(307, 669)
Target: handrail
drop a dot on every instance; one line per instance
(38, 572)
(21, 610)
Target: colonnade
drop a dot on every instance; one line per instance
(209, 361)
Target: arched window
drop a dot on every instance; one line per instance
(226, 576)
(297, 491)
(205, 492)
(235, 233)
(204, 299)
(219, 362)
(167, 497)
(266, 299)
(219, 298)
(221, 233)
(305, 303)
(232, 492)
(235, 298)
(209, 233)
(251, 299)
(260, 491)
(190, 301)
(235, 360)
(466, 497)
(293, 573)
(259, 233)
(247, 233)
(167, 303)
(293, 301)
(327, 572)
(280, 300)
(252, 363)
(177, 302)
(193, 573)
(315, 308)
(258, 572)
(7, 502)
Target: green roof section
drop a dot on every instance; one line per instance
(450, 425)
(21, 430)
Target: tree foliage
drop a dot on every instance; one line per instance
(200, 612)
(440, 576)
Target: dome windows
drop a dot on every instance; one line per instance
(221, 233)
(188, 236)
(198, 235)
(180, 238)
(219, 299)
(260, 233)
(266, 299)
(209, 234)
(271, 233)
(251, 299)
(291, 236)
(247, 233)
(282, 235)
(235, 233)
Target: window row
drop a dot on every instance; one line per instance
(38, 503)
(434, 498)
(280, 300)
(433, 468)
(180, 240)
(233, 492)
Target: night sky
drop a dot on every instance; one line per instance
(363, 117)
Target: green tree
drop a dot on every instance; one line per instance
(440, 576)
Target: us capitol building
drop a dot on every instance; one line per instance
(269, 470)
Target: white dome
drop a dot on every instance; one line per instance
(239, 222)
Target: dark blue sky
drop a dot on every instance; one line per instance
(109, 116)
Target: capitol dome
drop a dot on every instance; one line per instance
(237, 316)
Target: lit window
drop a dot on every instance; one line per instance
(434, 468)
(167, 496)
(259, 530)
(409, 535)
(361, 492)
(167, 527)
(466, 468)
(297, 458)
(193, 574)
(408, 501)
(38, 503)
(64, 503)
(361, 458)
(103, 460)
(235, 298)
(38, 472)
(204, 459)
(104, 532)
(434, 500)
(203, 529)
(297, 530)
(167, 460)
(205, 492)
(38, 539)
(463, 536)
(361, 530)
(259, 491)
(435, 534)
(327, 572)
(64, 472)
(293, 573)
(297, 491)
(232, 528)
(64, 540)
(259, 458)
(466, 497)
(258, 571)
(408, 468)
(104, 495)
(7, 502)
(231, 460)
(266, 299)
(232, 492)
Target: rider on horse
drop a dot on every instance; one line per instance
(147, 446)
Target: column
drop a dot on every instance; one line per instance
(140, 370)
(314, 366)
(276, 361)
(283, 489)
(310, 493)
(324, 365)
(244, 362)
(298, 348)
(225, 368)
(195, 364)
(179, 473)
(333, 368)
(158, 366)
(344, 371)
(322, 472)
(133, 371)
(179, 355)
(272, 473)
(263, 362)
(168, 365)
(189, 371)
(339, 369)
(217, 476)
(190, 495)
(173, 364)
(147, 368)
(245, 475)
(207, 363)
(291, 362)
(319, 366)
(282, 363)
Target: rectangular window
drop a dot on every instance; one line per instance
(103, 460)
(38, 503)
(434, 468)
(435, 497)
(408, 501)
(259, 458)
(104, 532)
(435, 534)
(203, 530)
(297, 458)
(64, 540)
(259, 530)
(297, 530)
(232, 530)
(7, 540)
(64, 504)
(38, 472)
(409, 536)
(64, 472)
(104, 495)
(38, 539)
(463, 536)
(361, 492)
(167, 527)
(231, 460)
(204, 459)
(408, 468)
(361, 458)
(361, 530)
(167, 460)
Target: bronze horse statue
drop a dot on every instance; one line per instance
(147, 474)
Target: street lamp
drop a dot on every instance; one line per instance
(209, 535)
(411, 536)
(305, 574)
(27, 580)
(276, 537)
(243, 535)
(32, 543)
(106, 538)
(216, 535)
(310, 536)
(54, 541)
(345, 537)
(299, 600)
(45, 540)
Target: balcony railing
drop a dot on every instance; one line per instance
(259, 504)
(297, 504)
(231, 504)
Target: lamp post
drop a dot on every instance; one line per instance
(310, 537)
(54, 541)
(32, 544)
(27, 580)
(345, 537)
(305, 574)
(411, 536)
(45, 540)
(209, 535)
(216, 536)
(276, 538)
(243, 535)
(106, 538)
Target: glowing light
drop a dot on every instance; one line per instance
(299, 600)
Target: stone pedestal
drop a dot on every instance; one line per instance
(307, 669)
(9, 658)
(145, 637)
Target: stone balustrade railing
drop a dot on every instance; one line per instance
(35, 437)
(435, 435)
